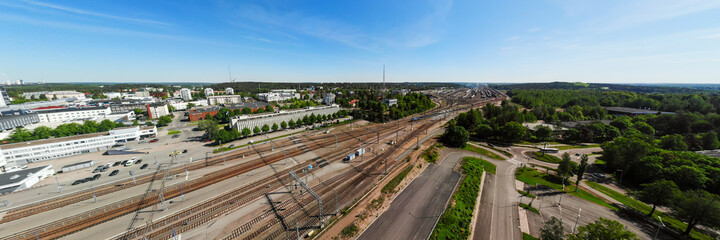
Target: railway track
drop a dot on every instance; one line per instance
(96, 216)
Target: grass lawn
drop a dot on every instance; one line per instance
(532, 177)
(545, 157)
(577, 146)
(528, 237)
(455, 222)
(645, 209)
(483, 151)
(171, 132)
(223, 149)
(489, 167)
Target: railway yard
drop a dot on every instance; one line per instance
(270, 189)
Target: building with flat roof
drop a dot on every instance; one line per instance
(202, 112)
(186, 94)
(252, 121)
(23, 179)
(40, 150)
(278, 95)
(13, 121)
(209, 92)
(633, 111)
(229, 91)
(224, 99)
(55, 94)
(72, 114)
(157, 110)
(4, 97)
(329, 99)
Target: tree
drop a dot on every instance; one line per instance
(603, 229)
(291, 123)
(162, 121)
(283, 124)
(710, 140)
(136, 123)
(644, 128)
(581, 170)
(257, 130)
(658, 193)
(246, 132)
(456, 136)
(275, 127)
(542, 132)
(149, 124)
(265, 128)
(674, 142)
(190, 105)
(171, 108)
(552, 230)
(269, 108)
(300, 121)
(210, 127)
(697, 206)
(106, 125)
(512, 131)
(42, 132)
(138, 111)
(246, 110)
(566, 166)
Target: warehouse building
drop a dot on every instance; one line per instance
(39, 150)
(252, 121)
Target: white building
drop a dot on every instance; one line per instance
(55, 94)
(329, 98)
(39, 150)
(23, 179)
(112, 95)
(141, 94)
(209, 92)
(179, 106)
(229, 91)
(224, 99)
(186, 94)
(72, 114)
(252, 121)
(157, 110)
(4, 97)
(278, 95)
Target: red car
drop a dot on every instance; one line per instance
(154, 140)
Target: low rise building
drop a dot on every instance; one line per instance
(55, 94)
(391, 102)
(329, 98)
(22, 153)
(180, 106)
(252, 121)
(278, 95)
(23, 179)
(4, 97)
(224, 99)
(12, 121)
(160, 94)
(202, 112)
(72, 114)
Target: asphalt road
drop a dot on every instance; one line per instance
(498, 206)
(414, 212)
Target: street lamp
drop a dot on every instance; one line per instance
(576, 220)
(658, 229)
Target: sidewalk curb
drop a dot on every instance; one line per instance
(476, 211)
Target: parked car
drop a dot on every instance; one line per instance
(76, 182)
(104, 169)
(176, 136)
(117, 163)
(114, 172)
(144, 166)
(96, 177)
(184, 151)
(154, 140)
(138, 161)
(124, 162)
(87, 179)
(141, 142)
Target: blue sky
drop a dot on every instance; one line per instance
(615, 41)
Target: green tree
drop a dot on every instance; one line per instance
(164, 121)
(710, 140)
(644, 128)
(42, 132)
(136, 123)
(697, 206)
(246, 132)
(171, 108)
(149, 124)
(210, 128)
(275, 127)
(552, 229)
(283, 124)
(581, 170)
(21, 135)
(138, 111)
(674, 142)
(106, 125)
(542, 132)
(265, 128)
(246, 110)
(300, 122)
(565, 167)
(513, 131)
(603, 229)
(190, 105)
(658, 193)
(291, 123)
(456, 136)
(257, 130)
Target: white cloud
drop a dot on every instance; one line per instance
(94, 14)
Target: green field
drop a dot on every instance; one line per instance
(528, 237)
(545, 157)
(489, 167)
(483, 151)
(645, 209)
(532, 177)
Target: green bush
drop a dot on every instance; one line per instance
(390, 186)
(483, 151)
(545, 157)
(455, 222)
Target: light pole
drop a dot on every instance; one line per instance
(576, 220)
(658, 229)
(58, 184)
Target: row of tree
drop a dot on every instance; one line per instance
(371, 107)
(69, 129)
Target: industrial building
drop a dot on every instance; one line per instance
(72, 114)
(252, 121)
(39, 150)
(23, 179)
(224, 99)
(13, 121)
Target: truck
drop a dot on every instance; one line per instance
(349, 157)
(360, 152)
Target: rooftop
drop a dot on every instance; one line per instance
(16, 177)
(61, 139)
(56, 110)
(628, 110)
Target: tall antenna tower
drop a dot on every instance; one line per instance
(384, 88)
(232, 80)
